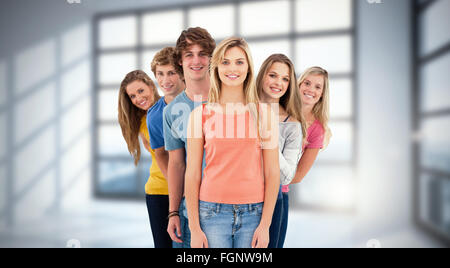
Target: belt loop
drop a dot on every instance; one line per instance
(217, 208)
(250, 207)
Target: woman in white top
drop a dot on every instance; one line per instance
(276, 85)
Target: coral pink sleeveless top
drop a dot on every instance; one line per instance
(233, 156)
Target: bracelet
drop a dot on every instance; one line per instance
(172, 214)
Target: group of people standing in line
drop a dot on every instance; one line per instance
(225, 142)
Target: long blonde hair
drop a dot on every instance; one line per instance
(321, 109)
(291, 100)
(250, 92)
(129, 115)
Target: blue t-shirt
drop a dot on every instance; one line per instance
(155, 124)
(175, 122)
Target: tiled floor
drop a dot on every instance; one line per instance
(111, 224)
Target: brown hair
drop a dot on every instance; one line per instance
(129, 115)
(189, 37)
(164, 57)
(291, 100)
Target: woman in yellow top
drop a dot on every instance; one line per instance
(136, 95)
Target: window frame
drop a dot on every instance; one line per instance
(418, 8)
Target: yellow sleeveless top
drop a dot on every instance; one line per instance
(156, 183)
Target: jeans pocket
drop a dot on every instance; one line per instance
(206, 213)
(257, 209)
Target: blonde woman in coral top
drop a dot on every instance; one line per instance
(232, 206)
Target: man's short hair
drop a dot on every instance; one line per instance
(189, 37)
(164, 57)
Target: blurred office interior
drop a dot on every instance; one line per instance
(65, 172)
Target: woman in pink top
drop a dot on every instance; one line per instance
(232, 205)
(315, 94)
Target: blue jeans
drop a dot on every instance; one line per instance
(284, 221)
(229, 226)
(277, 220)
(184, 225)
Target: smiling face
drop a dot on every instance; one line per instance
(276, 81)
(233, 69)
(168, 80)
(140, 94)
(195, 63)
(311, 89)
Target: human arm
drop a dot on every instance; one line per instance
(175, 172)
(270, 154)
(175, 180)
(290, 154)
(313, 145)
(156, 135)
(305, 164)
(162, 159)
(193, 179)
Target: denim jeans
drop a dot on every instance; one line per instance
(277, 220)
(184, 225)
(284, 221)
(157, 207)
(229, 226)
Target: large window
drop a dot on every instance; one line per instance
(129, 40)
(432, 117)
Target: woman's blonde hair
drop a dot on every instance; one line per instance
(291, 100)
(321, 109)
(130, 116)
(250, 93)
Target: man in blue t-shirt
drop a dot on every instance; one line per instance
(171, 83)
(194, 49)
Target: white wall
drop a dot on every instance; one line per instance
(384, 118)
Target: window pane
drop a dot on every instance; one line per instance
(147, 58)
(315, 187)
(435, 143)
(114, 67)
(340, 146)
(111, 141)
(117, 177)
(341, 98)
(262, 50)
(255, 18)
(435, 201)
(162, 27)
(433, 27)
(218, 20)
(333, 15)
(331, 53)
(111, 29)
(435, 83)
(108, 104)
